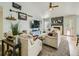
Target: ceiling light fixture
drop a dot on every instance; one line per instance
(52, 6)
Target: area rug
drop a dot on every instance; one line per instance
(63, 50)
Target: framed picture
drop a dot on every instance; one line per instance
(22, 16)
(17, 6)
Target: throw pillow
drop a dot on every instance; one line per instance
(50, 34)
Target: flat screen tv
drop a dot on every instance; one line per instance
(35, 24)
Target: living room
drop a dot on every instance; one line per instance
(36, 19)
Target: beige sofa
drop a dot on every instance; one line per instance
(53, 40)
(30, 47)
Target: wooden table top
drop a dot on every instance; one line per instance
(12, 44)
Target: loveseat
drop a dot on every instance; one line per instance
(52, 40)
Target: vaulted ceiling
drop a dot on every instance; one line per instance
(40, 9)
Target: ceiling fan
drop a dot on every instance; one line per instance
(52, 6)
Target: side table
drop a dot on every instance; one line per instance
(11, 44)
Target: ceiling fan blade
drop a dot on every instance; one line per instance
(50, 5)
(55, 6)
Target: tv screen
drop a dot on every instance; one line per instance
(35, 24)
(36, 33)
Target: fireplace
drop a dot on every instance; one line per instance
(57, 22)
(58, 28)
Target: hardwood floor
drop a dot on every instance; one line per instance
(63, 50)
(67, 47)
(72, 40)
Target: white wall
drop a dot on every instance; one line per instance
(24, 25)
(70, 23)
(46, 23)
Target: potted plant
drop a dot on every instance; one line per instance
(14, 28)
(15, 31)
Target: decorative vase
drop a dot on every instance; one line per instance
(16, 39)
